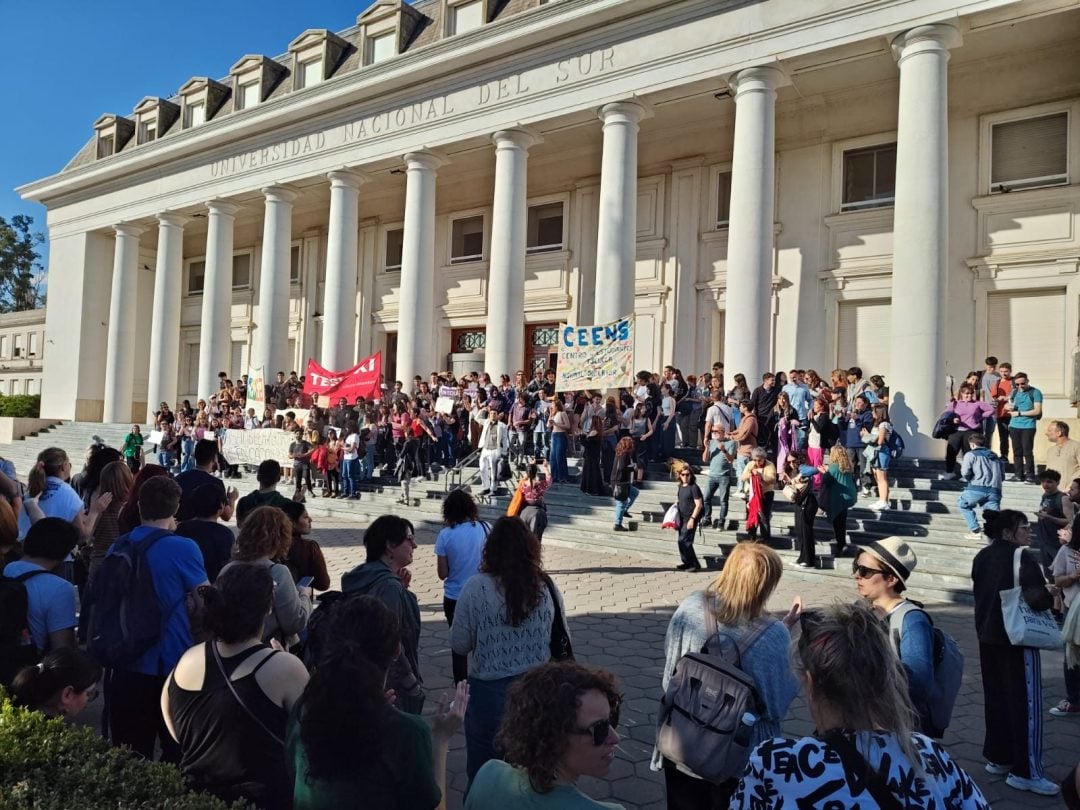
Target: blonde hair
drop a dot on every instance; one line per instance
(838, 456)
(751, 573)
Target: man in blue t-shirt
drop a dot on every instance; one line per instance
(176, 565)
(50, 598)
(1024, 407)
(206, 453)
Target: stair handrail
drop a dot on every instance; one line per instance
(453, 479)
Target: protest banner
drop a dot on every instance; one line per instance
(256, 446)
(447, 391)
(362, 380)
(256, 387)
(444, 405)
(597, 357)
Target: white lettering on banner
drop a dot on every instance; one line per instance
(600, 356)
(447, 391)
(422, 113)
(256, 446)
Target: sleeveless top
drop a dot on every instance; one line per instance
(223, 750)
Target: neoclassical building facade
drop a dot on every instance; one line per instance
(887, 183)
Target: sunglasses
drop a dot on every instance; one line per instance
(600, 730)
(863, 572)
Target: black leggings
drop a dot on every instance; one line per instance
(1023, 447)
(956, 443)
(459, 664)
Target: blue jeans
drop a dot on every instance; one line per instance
(188, 463)
(560, 472)
(969, 499)
(740, 465)
(622, 507)
(165, 459)
(350, 471)
(487, 702)
(540, 444)
(721, 487)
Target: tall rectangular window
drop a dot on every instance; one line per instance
(147, 131)
(241, 271)
(544, 229)
(467, 237)
(381, 47)
(1030, 153)
(466, 16)
(5, 347)
(869, 177)
(20, 346)
(294, 265)
(106, 145)
(723, 199)
(196, 277)
(249, 95)
(310, 73)
(395, 241)
(35, 345)
(195, 114)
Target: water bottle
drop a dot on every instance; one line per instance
(745, 730)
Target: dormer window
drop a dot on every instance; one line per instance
(254, 77)
(202, 98)
(465, 16)
(316, 53)
(387, 27)
(380, 48)
(153, 117)
(113, 132)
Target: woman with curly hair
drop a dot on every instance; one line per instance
(266, 537)
(346, 744)
(622, 481)
(559, 726)
(503, 623)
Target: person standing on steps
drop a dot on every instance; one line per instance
(1055, 515)
(1066, 574)
(691, 505)
(622, 481)
(983, 472)
(1024, 408)
(970, 414)
(720, 454)
(1063, 454)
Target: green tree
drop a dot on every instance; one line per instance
(20, 266)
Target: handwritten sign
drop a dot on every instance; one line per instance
(444, 405)
(600, 356)
(155, 437)
(256, 446)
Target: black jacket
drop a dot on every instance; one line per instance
(992, 573)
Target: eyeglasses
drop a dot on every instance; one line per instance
(601, 729)
(863, 572)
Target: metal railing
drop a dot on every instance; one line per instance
(455, 478)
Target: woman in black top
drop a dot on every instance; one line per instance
(691, 503)
(592, 478)
(232, 740)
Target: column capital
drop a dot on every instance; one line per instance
(764, 78)
(938, 37)
(173, 220)
(515, 138)
(222, 209)
(125, 229)
(279, 194)
(347, 178)
(423, 160)
(623, 112)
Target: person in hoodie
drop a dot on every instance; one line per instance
(983, 471)
(970, 414)
(390, 542)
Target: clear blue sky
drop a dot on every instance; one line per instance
(67, 62)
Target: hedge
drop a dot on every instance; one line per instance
(48, 764)
(21, 406)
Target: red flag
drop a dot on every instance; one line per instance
(362, 380)
(753, 505)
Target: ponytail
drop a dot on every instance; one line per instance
(50, 463)
(39, 686)
(998, 524)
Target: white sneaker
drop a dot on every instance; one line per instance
(879, 506)
(948, 477)
(997, 770)
(1036, 784)
(973, 536)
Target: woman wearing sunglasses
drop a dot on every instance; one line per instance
(881, 570)
(864, 750)
(691, 504)
(559, 726)
(737, 599)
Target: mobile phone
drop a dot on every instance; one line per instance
(305, 582)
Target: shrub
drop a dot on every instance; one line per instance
(21, 406)
(48, 764)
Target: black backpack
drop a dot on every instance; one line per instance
(125, 620)
(17, 647)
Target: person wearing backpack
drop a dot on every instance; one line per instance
(881, 571)
(139, 625)
(727, 619)
(37, 605)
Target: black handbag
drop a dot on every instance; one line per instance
(505, 473)
(621, 491)
(561, 649)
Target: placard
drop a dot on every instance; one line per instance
(444, 405)
(256, 446)
(597, 357)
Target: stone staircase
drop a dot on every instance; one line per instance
(924, 513)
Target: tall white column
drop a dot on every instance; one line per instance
(215, 339)
(120, 356)
(920, 233)
(416, 311)
(339, 303)
(616, 240)
(747, 316)
(505, 346)
(271, 341)
(165, 325)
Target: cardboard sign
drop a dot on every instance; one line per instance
(256, 446)
(598, 357)
(444, 405)
(155, 437)
(362, 380)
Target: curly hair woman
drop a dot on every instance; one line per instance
(503, 623)
(622, 481)
(266, 537)
(559, 726)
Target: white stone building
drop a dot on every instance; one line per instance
(22, 352)
(780, 183)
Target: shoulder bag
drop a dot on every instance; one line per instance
(796, 490)
(236, 695)
(1026, 627)
(561, 649)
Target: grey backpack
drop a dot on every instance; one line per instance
(706, 720)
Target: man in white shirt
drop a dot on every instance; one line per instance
(494, 444)
(719, 414)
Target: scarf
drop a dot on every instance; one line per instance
(753, 506)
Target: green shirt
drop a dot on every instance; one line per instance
(499, 786)
(402, 776)
(133, 442)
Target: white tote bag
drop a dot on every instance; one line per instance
(1024, 626)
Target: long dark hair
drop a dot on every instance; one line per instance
(238, 601)
(38, 686)
(344, 709)
(512, 556)
(458, 508)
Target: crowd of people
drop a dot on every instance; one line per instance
(214, 651)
